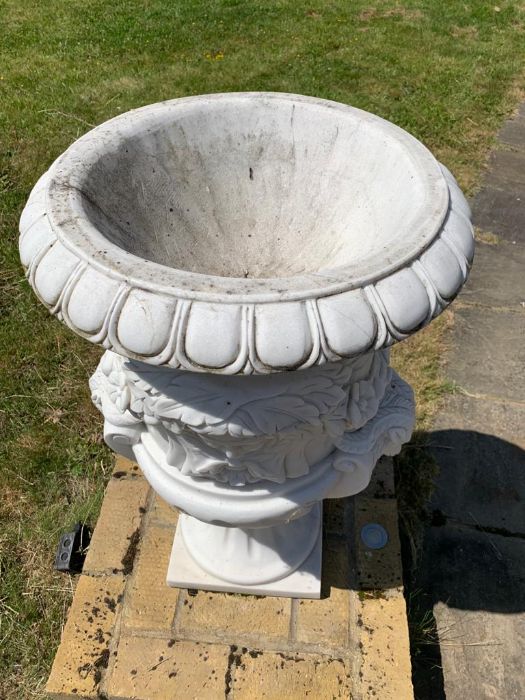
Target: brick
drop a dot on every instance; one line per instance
(124, 468)
(382, 482)
(335, 516)
(326, 622)
(121, 515)
(378, 568)
(227, 615)
(150, 602)
(385, 657)
(163, 513)
(148, 668)
(275, 676)
(83, 653)
(335, 511)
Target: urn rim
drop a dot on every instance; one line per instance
(66, 212)
(229, 325)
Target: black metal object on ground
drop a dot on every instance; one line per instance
(72, 549)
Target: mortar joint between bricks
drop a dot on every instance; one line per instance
(292, 630)
(356, 654)
(175, 623)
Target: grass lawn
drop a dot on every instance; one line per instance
(446, 71)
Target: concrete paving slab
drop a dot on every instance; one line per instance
(488, 353)
(500, 212)
(502, 420)
(513, 131)
(477, 585)
(482, 659)
(498, 277)
(470, 578)
(481, 479)
(506, 170)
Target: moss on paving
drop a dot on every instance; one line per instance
(445, 71)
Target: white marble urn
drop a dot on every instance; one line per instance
(246, 260)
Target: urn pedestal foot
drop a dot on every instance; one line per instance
(282, 560)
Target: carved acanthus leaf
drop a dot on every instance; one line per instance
(240, 429)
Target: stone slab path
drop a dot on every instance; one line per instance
(473, 567)
(130, 637)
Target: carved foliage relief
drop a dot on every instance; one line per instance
(240, 429)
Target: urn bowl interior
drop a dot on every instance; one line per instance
(257, 186)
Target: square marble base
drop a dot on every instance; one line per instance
(305, 582)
